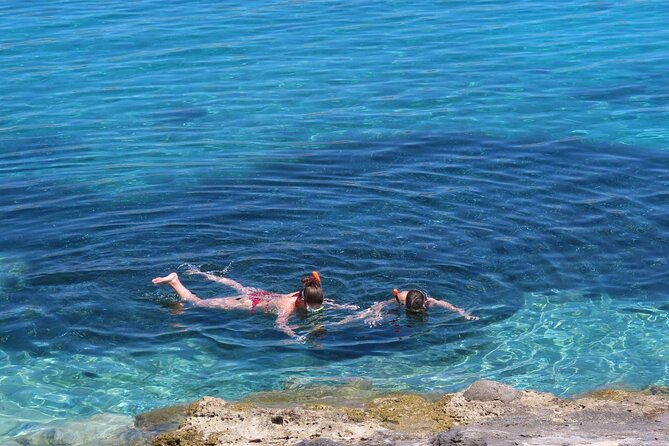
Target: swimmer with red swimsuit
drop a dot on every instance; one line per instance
(309, 298)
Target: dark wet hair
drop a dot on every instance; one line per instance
(312, 293)
(416, 301)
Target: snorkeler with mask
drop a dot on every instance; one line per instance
(309, 299)
(415, 301)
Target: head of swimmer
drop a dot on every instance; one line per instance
(416, 301)
(312, 293)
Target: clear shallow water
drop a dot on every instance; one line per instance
(510, 157)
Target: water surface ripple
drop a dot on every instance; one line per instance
(507, 156)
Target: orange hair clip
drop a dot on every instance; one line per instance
(316, 276)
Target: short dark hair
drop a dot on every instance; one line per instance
(312, 293)
(416, 300)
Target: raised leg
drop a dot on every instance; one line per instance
(224, 280)
(184, 293)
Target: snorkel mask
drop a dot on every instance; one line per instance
(314, 310)
(416, 301)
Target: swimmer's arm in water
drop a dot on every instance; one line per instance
(285, 309)
(443, 304)
(331, 304)
(224, 280)
(372, 315)
(282, 324)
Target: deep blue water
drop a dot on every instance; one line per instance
(510, 157)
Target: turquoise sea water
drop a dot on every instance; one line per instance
(510, 157)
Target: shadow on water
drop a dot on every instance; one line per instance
(614, 93)
(460, 214)
(179, 115)
(482, 223)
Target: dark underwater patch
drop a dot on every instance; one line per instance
(180, 115)
(614, 93)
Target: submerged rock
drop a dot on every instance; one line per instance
(163, 419)
(608, 394)
(100, 430)
(335, 392)
(105, 429)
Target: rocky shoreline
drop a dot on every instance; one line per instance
(486, 414)
(351, 412)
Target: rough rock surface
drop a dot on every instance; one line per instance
(212, 421)
(486, 414)
(484, 390)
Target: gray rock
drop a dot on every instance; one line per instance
(484, 390)
(390, 438)
(319, 442)
(458, 437)
(658, 390)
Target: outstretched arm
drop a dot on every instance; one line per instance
(285, 309)
(443, 304)
(224, 280)
(372, 315)
(282, 324)
(330, 303)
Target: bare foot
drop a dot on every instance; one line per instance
(167, 279)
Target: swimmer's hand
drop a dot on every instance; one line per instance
(190, 270)
(294, 340)
(470, 317)
(318, 331)
(374, 320)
